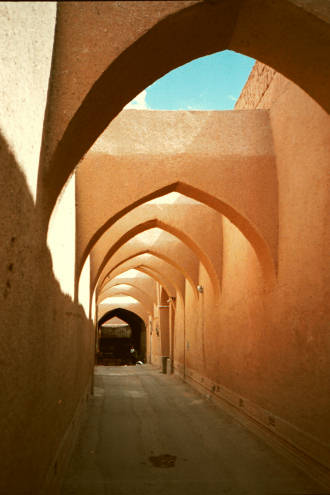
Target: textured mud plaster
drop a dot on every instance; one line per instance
(47, 342)
(26, 47)
(263, 170)
(41, 328)
(234, 148)
(126, 59)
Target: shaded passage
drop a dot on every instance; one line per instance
(114, 344)
(151, 434)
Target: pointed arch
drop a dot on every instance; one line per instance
(296, 45)
(171, 286)
(132, 292)
(182, 236)
(251, 233)
(125, 314)
(106, 289)
(163, 257)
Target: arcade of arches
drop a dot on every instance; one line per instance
(207, 232)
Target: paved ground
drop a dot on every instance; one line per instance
(150, 434)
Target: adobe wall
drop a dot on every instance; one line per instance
(267, 350)
(45, 338)
(302, 144)
(26, 46)
(299, 307)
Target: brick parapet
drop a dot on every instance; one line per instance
(256, 87)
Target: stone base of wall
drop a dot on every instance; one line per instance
(305, 451)
(63, 455)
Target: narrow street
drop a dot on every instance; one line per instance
(151, 434)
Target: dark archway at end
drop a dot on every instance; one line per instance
(138, 334)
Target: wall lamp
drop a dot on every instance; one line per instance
(200, 289)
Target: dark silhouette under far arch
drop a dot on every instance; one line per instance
(120, 346)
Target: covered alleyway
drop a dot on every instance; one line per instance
(149, 433)
(195, 233)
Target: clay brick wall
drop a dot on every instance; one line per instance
(270, 347)
(46, 340)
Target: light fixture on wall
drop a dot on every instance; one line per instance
(200, 289)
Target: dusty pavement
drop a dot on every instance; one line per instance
(151, 434)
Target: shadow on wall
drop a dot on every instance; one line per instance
(46, 342)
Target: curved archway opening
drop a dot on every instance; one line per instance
(212, 82)
(255, 238)
(156, 224)
(162, 257)
(162, 270)
(117, 339)
(282, 45)
(128, 289)
(157, 276)
(127, 293)
(135, 279)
